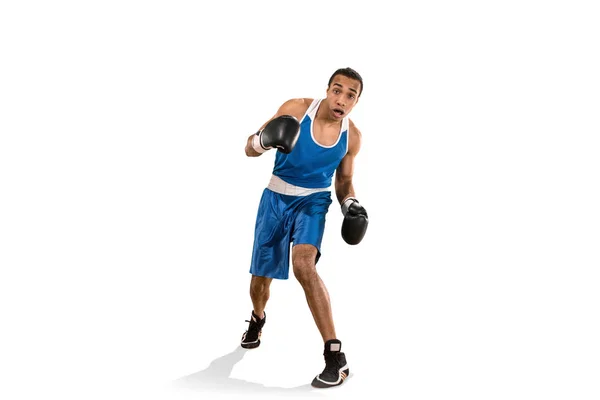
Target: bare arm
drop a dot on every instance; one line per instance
(250, 152)
(344, 188)
(294, 107)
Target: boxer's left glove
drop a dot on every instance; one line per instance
(355, 221)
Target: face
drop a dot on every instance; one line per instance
(342, 96)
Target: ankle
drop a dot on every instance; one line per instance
(333, 345)
(258, 316)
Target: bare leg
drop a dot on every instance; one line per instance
(259, 293)
(317, 296)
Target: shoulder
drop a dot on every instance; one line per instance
(296, 107)
(354, 138)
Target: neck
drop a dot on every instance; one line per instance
(324, 117)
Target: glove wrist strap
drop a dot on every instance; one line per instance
(346, 204)
(257, 145)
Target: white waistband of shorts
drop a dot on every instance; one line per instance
(278, 185)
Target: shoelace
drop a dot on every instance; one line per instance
(253, 326)
(331, 364)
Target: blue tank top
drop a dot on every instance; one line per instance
(310, 164)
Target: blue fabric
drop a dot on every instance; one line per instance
(310, 165)
(282, 220)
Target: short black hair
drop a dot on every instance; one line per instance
(348, 73)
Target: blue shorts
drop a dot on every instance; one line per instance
(281, 220)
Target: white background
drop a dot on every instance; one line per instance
(128, 204)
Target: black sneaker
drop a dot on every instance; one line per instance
(251, 338)
(336, 369)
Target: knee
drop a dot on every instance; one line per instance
(259, 286)
(304, 268)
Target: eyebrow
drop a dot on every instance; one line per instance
(352, 89)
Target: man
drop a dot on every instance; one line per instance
(314, 138)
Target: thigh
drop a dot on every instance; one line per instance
(309, 229)
(270, 254)
(309, 222)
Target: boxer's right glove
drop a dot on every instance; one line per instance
(355, 222)
(281, 132)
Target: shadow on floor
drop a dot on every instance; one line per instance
(215, 378)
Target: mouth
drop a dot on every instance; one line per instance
(338, 112)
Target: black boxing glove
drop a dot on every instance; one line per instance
(281, 132)
(355, 221)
